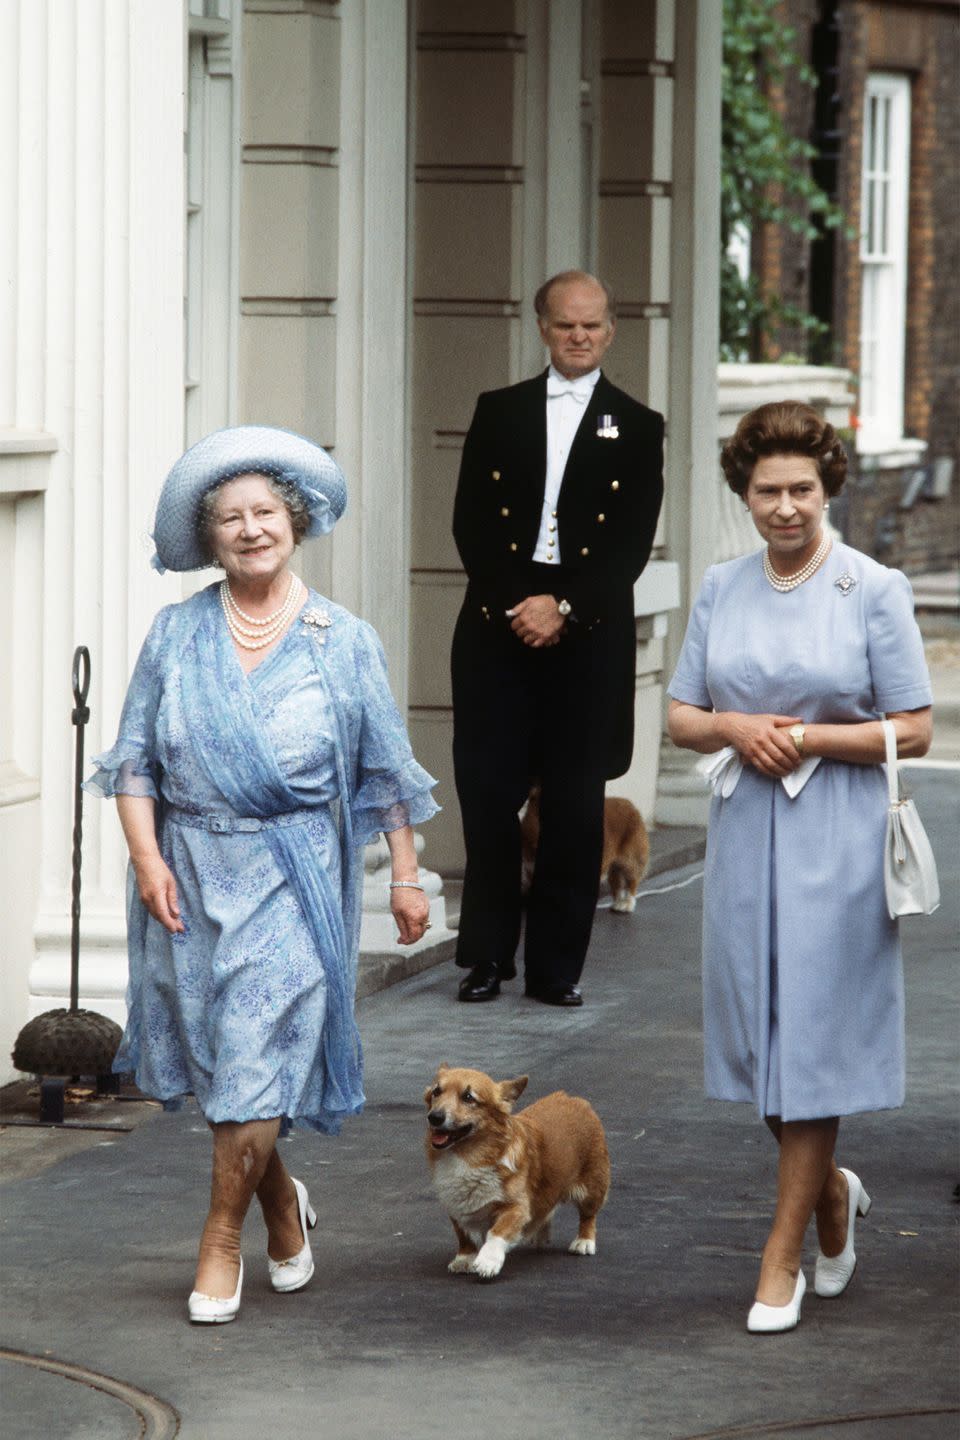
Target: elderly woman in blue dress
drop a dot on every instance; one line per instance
(792, 657)
(259, 750)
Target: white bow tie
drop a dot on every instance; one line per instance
(580, 389)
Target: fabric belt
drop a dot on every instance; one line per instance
(231, 824)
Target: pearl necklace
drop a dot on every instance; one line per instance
(265, 631)
(785, 583)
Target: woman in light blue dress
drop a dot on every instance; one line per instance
(259, 750)
(792, 656)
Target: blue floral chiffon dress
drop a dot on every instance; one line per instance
(268, 785)
(802, 976)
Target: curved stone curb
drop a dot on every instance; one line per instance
(159, 1421)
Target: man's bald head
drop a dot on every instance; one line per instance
(576, 316)
(564, 277)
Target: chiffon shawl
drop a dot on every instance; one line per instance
(378, 786)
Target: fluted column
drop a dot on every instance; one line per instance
(371, 546)
(693, 484)
(112, 267)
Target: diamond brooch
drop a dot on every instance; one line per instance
(319, 620)
(845, 583)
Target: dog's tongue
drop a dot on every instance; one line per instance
(438, 1139)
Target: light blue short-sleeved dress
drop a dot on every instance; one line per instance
(802, 976)
(267, 786)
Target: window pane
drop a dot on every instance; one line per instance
(885, 189)
(868, 342)
(871, 146)
(883, 207)
(885, 137)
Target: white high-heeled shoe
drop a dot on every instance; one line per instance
(211, 1309)
(289, 1275)
(771, 1319)
(833, 1272)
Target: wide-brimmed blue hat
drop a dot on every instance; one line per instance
(238, 451)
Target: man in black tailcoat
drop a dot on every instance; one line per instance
(560, 488)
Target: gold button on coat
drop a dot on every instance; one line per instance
(513, 544)
(600, 519)
(504, 512)
(495, 474)
(585, 550)
(614, 484)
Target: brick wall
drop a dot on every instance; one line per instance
(781, 256)
(923, 40)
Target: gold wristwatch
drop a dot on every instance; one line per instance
(796, 733)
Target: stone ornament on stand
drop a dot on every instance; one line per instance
(63, 1043)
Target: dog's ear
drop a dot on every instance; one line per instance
(511, 1090)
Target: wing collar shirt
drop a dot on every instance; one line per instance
(566, 402)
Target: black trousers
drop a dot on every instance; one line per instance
(522, 714)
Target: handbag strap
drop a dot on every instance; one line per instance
(893, 769)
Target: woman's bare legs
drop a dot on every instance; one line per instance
(805, 1183)
(832, 1202)
(241, 1154)
(281, 1211)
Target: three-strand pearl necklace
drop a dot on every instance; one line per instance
(247, 630)
(784, 583)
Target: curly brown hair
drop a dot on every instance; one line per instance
(784, 427)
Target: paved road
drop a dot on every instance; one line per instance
(647, 1340)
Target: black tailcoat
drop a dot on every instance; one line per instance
(606, 521)
(560, 713)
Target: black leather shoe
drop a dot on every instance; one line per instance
(480, 984)
(567, 995)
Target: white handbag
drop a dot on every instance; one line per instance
(909, 869)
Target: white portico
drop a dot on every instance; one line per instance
(331, 217)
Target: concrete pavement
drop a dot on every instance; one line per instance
(647, 1340)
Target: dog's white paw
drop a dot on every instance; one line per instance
(625, 903)
(488, 1261)
(583, 1247)
(460, 1264)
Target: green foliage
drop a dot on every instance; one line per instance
(765, 170)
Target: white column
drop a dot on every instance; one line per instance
(564, 199)
(25, 451)
(694, 287)
(113, 271)
(371, 546)
(692, 483)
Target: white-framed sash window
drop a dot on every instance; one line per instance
(883, 258)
